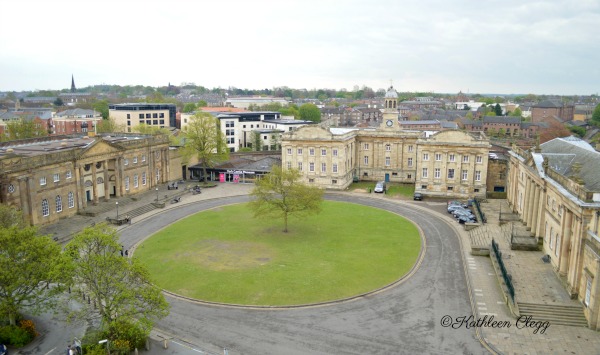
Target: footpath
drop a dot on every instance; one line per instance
(534, 281)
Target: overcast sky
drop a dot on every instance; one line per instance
(508, 46)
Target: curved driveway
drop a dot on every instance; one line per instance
(402, 320)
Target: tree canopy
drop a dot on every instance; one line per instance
(204, 138)
(596, 114)
(29, 264)
(310, 112)
(119, 287)
(282, 194)
(25, 129)
(498, 110)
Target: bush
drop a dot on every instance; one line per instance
(15, 336)
(126, 333)
(29, 327)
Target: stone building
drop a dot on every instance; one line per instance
(543, 111)
(555, 190)
(57, 177)
(449, 163)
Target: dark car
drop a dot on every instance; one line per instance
(464, 219)
(452, 208)
(418, 196)
(468, 214)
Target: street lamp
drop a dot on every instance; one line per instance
(156, 194)
(105, 341)
(117, 203)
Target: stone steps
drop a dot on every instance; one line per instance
(554, 313)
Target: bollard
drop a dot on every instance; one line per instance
(165, 343)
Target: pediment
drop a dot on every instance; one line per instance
(100, 148)
(311, 132)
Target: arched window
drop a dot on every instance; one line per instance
(45, 208)
(58, 201)
(71, 199)
(551, 237)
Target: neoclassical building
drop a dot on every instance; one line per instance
(445, 164)
(555, 189)
(57, 177)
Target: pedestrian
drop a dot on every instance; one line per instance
(126, 252)
(70, 350)
(121, 252)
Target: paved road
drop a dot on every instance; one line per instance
(403, 319)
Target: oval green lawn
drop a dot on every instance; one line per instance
(225, 255)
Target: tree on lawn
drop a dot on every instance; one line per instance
(204, 138)
(29, 271)
(119, 287)
(282, 194)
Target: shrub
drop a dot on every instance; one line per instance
(29, 327)
(121, 331)
(14, 336)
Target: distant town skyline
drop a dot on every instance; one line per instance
(509, 47)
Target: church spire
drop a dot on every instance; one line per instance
(73, 84)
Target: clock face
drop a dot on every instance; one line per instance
(389, 123)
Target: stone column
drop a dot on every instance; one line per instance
(26, 196)
(566, 223)
(94, 184)
(525, 205)
(106, 182)
(81, 196)
(536, 206)
(118, 177)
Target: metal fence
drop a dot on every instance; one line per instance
(481, 214)
(505, 275)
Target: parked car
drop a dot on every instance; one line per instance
(3, 350)
(453, 208)
(457, 203)
(459, 213)
(464, 219)
(418, 196)
(380, 187)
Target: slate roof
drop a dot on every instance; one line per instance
(78, 112)
(548, 104)
(562, 153)
(501, 119)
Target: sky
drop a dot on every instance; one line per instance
(508, 47)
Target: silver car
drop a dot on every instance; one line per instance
(380, 187)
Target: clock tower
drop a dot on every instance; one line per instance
(390, 111)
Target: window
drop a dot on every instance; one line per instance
(366, 160)
(409, 176)
(311, 151)
(299, 166)
(425, 156)
(387, 161)
(45, 208)
(410, 148)
(452, 157)
(410, 161)
(11, 188)
(157, 176)
(450, 173)
(437, 173)
(143, 158)
(68, 174)
(450, 188)
(323, 152)
(155, 115)
(557, 248)
(334, 152)
(438, 157)
(299, 151)
(311, 180)
(289, 165)
(588, 291)
(135, 159)
(125, 161)
(477, 175)
(141, 115)
(366, 146)
(58, 201)
(323, 167)
(127, 183)
(71, 200)
(311, 167)
(333, 182)
(148, 115)
(42, 181)
(464, 175)
(424, 172)
(478, 159)
(56, 177)
(289, 151)
(144, 178)
(388, 148)
(465, 158)
(334, 168)
(135, 181)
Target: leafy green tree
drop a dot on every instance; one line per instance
(189, 107)
(204, 139)
(310, 112)
(256, 141)
(58, 102)
(517, 112)
(498, 110)
(202, 103)
(580, 131)
(118, 287)
(29, 264)
(108, 126)
(469, 115)
(282, 194)
(596, 114)
(25, 129)
(102, 107)
(10, 217)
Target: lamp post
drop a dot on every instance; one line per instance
(105, 341)
(156, 194)
(117, 203)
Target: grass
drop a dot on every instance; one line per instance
(393, 189)
(226, 255)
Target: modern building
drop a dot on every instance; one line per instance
(152, 114)
(56, 177)
(555, 190)
(447, 164)
(247, 101)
